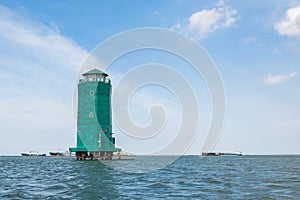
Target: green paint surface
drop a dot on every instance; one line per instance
(94, 129)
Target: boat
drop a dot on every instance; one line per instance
(211, 153)
(59, 153)
(123, 154)
(33, 153)
(236, 153)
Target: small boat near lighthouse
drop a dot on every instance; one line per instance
(33, 153)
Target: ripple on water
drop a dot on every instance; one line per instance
(190, 177)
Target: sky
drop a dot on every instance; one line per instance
(254, 44)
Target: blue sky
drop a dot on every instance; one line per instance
(255, 45)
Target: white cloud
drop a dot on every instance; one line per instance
(277, 79)
(250, 39)
(205, 21)
(38, 69)
(290, 24)
(176, 27)
(253, 40)
(156, 13)
(208, 20)
(33, 56)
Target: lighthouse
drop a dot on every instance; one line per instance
(94, 120)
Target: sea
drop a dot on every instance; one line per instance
(187, 177)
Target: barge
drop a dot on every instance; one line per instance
(236, 153)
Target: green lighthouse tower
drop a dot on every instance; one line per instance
(94, 129)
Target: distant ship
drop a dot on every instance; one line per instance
(123, 154)
(236, 153)
(33, 153)
(60, 153)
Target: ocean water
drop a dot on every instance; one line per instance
(189, 177)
